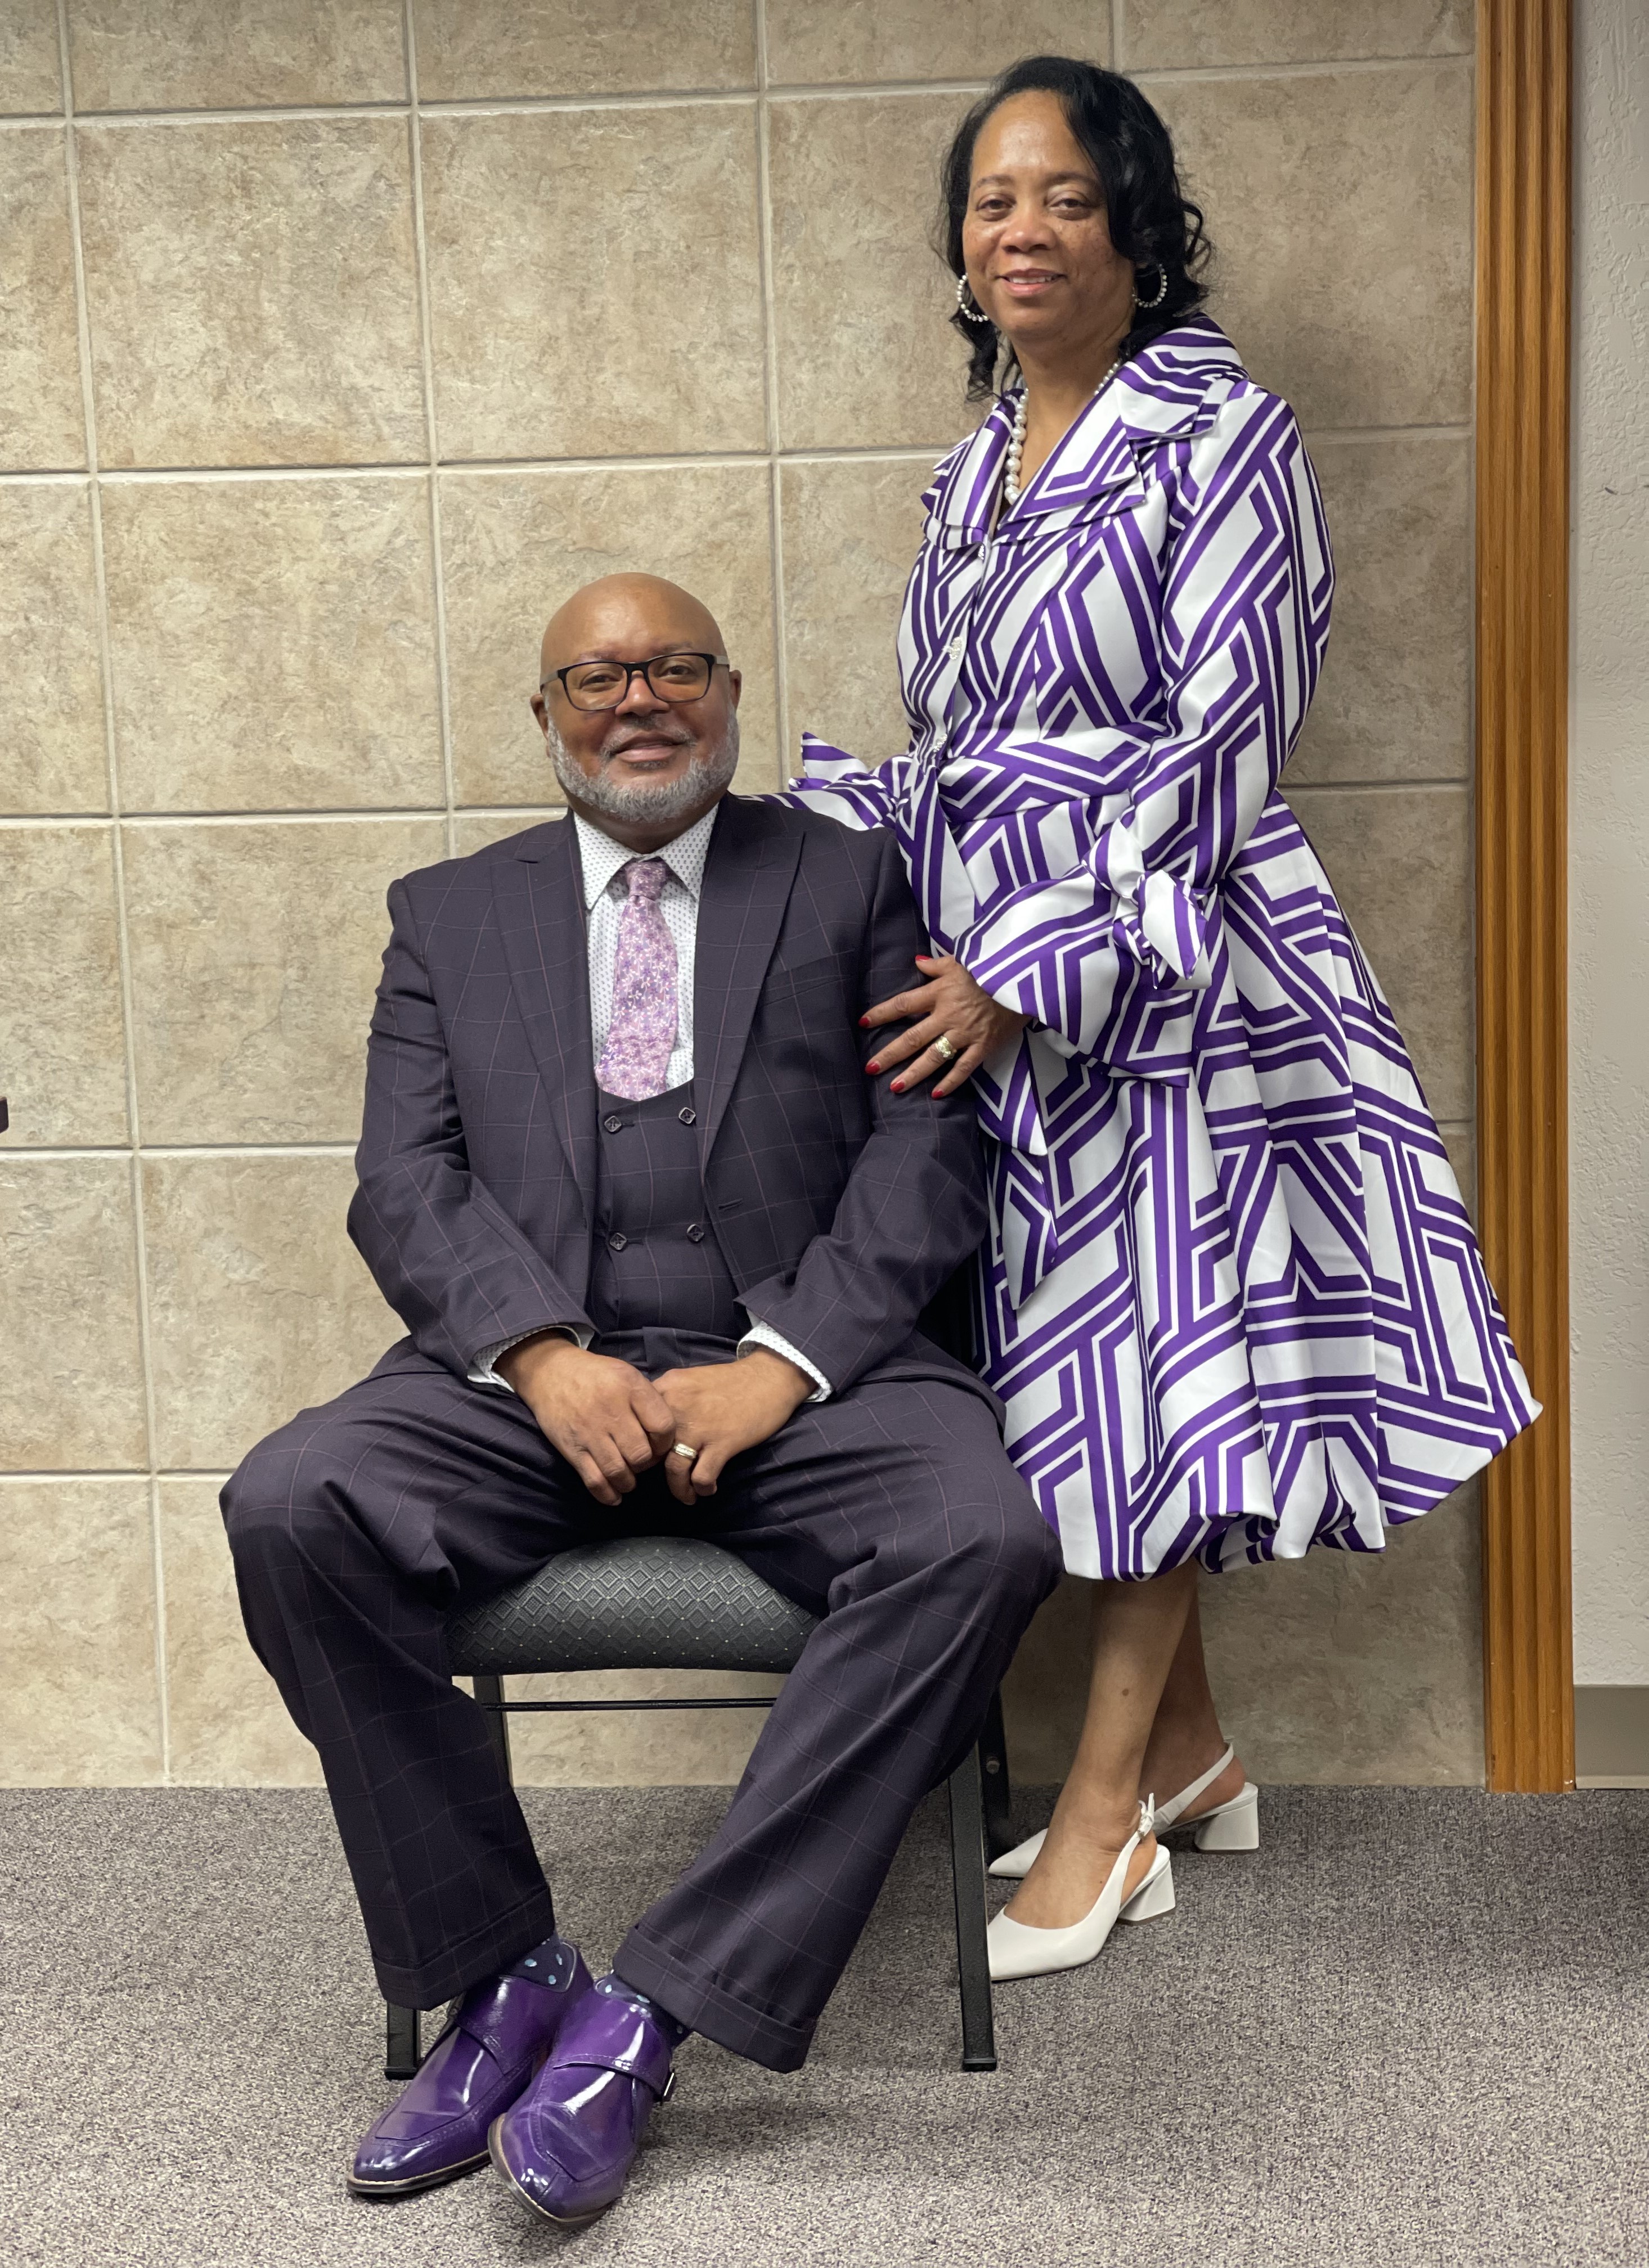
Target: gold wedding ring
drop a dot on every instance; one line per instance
(946, 1049)
(686, 1449)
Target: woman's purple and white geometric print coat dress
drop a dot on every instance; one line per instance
(1232, 1302)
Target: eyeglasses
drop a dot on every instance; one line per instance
(605, 684)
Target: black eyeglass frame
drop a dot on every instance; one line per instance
(633, 670)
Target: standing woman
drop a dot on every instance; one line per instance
(1232, 1302)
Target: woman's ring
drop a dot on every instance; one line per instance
(946, 1049)
(686, 1449)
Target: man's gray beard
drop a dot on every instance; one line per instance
(687, 792)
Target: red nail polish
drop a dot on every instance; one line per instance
(872, 1069)
(865, 1023)
(899, 1087)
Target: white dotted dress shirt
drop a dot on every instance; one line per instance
(605, 893)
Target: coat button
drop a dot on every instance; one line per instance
(617, 1240)
(687, 1114)
(614, 1125)
(696, 1233)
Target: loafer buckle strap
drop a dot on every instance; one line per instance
(634, 2046)
(659, 2085)
(607, 2031)
(489, 2025)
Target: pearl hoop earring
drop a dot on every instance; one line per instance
(966, 307)
(1161, 293)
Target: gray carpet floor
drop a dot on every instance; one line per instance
(1413, 2029)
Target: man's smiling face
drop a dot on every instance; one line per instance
(654, 759)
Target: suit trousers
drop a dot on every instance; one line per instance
(891, 1510)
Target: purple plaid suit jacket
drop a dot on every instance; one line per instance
(841, 1207)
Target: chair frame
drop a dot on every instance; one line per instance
(979, 1796)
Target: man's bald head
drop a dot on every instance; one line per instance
(623, 608)
(647, 767)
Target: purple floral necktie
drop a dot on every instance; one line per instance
(636, 1059)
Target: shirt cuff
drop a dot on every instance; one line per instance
(482, 1372)
(762, 1335)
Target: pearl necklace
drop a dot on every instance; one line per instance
(1016, 441)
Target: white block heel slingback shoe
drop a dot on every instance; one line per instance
(1018, 1951)
(1232, 1826)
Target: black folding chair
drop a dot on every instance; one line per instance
(675, 1602)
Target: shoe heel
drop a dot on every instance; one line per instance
(1154, 1896)
(1235, 1826)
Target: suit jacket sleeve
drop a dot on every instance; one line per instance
(914, 1207)
(446, 1256)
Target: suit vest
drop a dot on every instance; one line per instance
(654, 1261)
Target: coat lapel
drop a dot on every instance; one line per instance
(748, 878)
(1173, 387)
(961, 500)
(539, 895)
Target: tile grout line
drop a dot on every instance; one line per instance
(33, 1476)
(770, 385)
(695, 98)
(1116, 35)
(1287, 787)
(1363, 435)
(277, 113)
(400, 815)
(54, 1154)
(88, 401)
(369, 816)
(199, 476)
(662, 462)
(1312, 67)
(506, 106)
(426, 342)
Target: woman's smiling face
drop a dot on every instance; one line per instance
(1038, 251)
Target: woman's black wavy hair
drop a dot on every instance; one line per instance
(1151, 222)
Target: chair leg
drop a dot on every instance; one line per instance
(402, 2054)
(967, 1874)
(993, 1755)
(490, 1693)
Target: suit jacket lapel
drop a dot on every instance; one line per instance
(747, 887)
(539, 895)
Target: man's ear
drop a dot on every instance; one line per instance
(735, 684)
(540, 713)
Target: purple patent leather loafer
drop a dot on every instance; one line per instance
(437, 2128)
(568, 2145)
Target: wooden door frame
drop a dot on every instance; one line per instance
(1523, 223)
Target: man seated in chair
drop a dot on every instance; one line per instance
(660, 1245)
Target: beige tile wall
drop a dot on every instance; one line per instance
(343, 338)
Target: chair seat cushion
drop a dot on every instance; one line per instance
(641, 1602)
